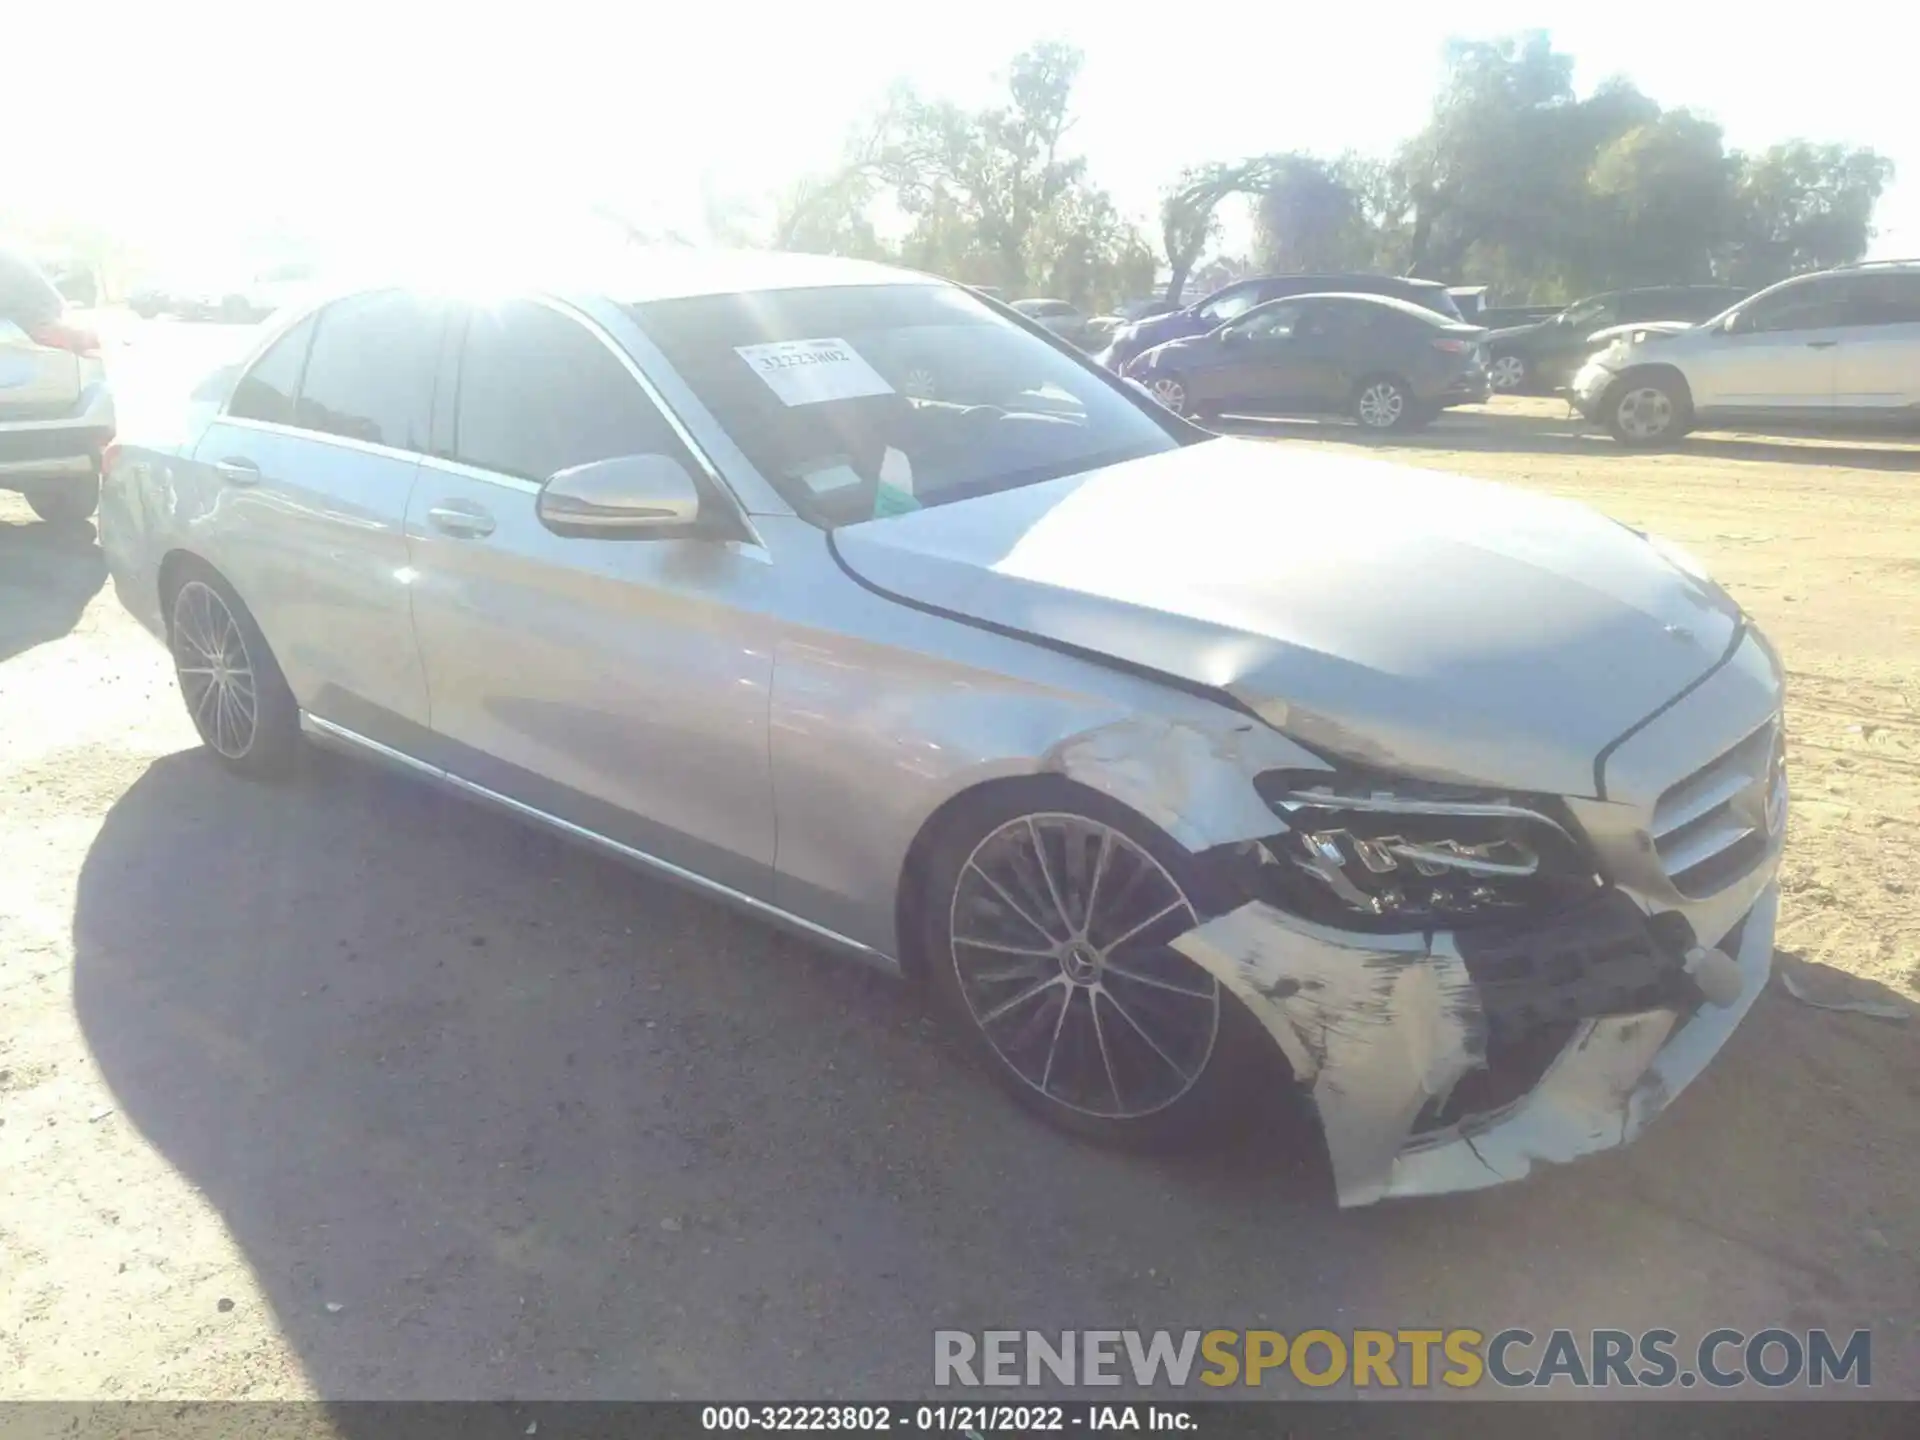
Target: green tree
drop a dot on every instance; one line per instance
(1661, 201)
(1801, 206)
(1189, 213)
(830, 212)
(1308, 218)
(1001, 169)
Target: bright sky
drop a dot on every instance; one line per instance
(183, 120)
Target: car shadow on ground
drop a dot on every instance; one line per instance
(539, 1125)
(490, 1117)
(1494, 429)
(48, 573)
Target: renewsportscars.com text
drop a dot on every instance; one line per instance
(1458, 1358)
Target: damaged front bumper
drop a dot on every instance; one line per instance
(1382, 1029)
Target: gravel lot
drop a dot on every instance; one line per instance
(346, 1089)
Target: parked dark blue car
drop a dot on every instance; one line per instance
(1241, 296)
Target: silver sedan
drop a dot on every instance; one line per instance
(1180, 768)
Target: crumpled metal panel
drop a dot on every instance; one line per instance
(1376, 1026)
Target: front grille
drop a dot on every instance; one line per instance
(1715, 825)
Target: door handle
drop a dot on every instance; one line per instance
(237, 471)
(1821, 344)
(463, 522)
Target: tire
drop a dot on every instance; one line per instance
(1383, 403)
(65, 504)
(1171, 391)
(1646, 411)
(1509, 373)
(1056, 1020)
(234, 691)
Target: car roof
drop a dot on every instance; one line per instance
(1342, 277)
(628, 274)
(1391, 302)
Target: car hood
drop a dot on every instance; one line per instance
(1158, 329)
(1649, 327)
(1428, 623)
(1150, 356)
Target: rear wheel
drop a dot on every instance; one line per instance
(1647, 410)
(1049, 910)
(65, 503)
(1383, 402)
(236, 696)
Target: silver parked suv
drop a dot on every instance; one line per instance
(1841, 347)
(56, 415)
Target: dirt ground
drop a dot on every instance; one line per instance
(345, 1089)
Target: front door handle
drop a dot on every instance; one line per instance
(236, 470)
(1821, 344)
(463, 522)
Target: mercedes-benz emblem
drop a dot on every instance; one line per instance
(1773, 805)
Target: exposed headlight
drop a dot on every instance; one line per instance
(1403, 855)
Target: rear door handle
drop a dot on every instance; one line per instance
(1821, 344)
(463, 522)
(237, 471)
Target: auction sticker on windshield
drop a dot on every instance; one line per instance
(807, 372)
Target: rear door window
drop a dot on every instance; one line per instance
(1226, 306)
(1886, 299)
(266, 391)
(370, 374)
(539, 393)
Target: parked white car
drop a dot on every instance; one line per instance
(1838, 348)
(56, 413)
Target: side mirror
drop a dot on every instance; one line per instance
(629, 496)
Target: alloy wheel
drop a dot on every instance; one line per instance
(1645, 412)
(1171, 393)
(1060, 929)
(1381, 405)
(1507, 372)
(216, 673)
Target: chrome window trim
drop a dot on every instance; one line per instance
(465, 471)
(365, 447)
(327, 730)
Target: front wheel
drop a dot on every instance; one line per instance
(1171, 391)
(1647, 410)
(65, 503)
(236, 696)
(1383, 402)
(1049, 914)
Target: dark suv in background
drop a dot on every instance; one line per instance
(1542, 357)
(1236, 299)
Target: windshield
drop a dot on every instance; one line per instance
(858, 402)
(1583, 312)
